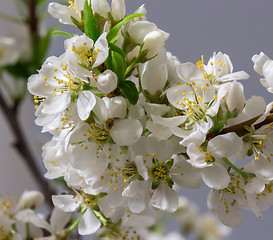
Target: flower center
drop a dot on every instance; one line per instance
(87, 56)
(73, 6)
(98, 133)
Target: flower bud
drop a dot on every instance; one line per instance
(118, 9)
(101, 7)
(153, 42)
(235, 97)
(31, 199)
(9, 53)
(107, 81)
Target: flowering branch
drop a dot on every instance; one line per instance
(240, 128)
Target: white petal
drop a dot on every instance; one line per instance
(216, 176)
(234, 216)
(242, 75)
(101, 7)
(169, 122)
(189, 72)
(141, 167)
(29, 215)
(63, 13)
(59, 219)
(268, 72)
(126, 132)
(263, 168)
(163, 149)
(186, 175)
(102, 45)
(225, 145)
(85, 104)
(259, 61)
(82, 158)
(255, 186)
(140, 29)
(57, 104)
(165, 198)
(89, 223)
(67, 203)
(118, 9)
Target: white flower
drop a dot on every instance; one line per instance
(163, 170)
(6, 231)
(83, 55)
(220, 70)
(214, 172)
(101, 7)
(234, 97)
(9, 53)
(54, 86)
(107, 81)
(196, 102)
(89, 223)
(260, 142)
(227, 203)
(56, 159)
(30, 199)
(57, 222)
(153, 42)
(147, 33)
(263, 66)
(118, 9)
(154, 74)
(65, 13)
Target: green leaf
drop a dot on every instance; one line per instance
(90, 27)
(62, 34)
(113, 34)
(129, 91)
(115, 48)
(118, 65)
(79, 25)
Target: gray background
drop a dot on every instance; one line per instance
(239, 28)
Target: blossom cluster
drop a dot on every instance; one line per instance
(130, 123)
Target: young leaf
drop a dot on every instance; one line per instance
(62, 34)
(90, 27)
(118, 65)
(129, 90)
(113, 34)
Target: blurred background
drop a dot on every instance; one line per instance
(197, 27)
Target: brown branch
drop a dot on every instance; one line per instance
(23, 149)
(240, 129)
(32, 18)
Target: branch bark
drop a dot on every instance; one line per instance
(240, 129)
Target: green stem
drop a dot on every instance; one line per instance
(100, 216)
(132, 65)
(244, 175)
(28, 237)
(75, 224)
(96, 71)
